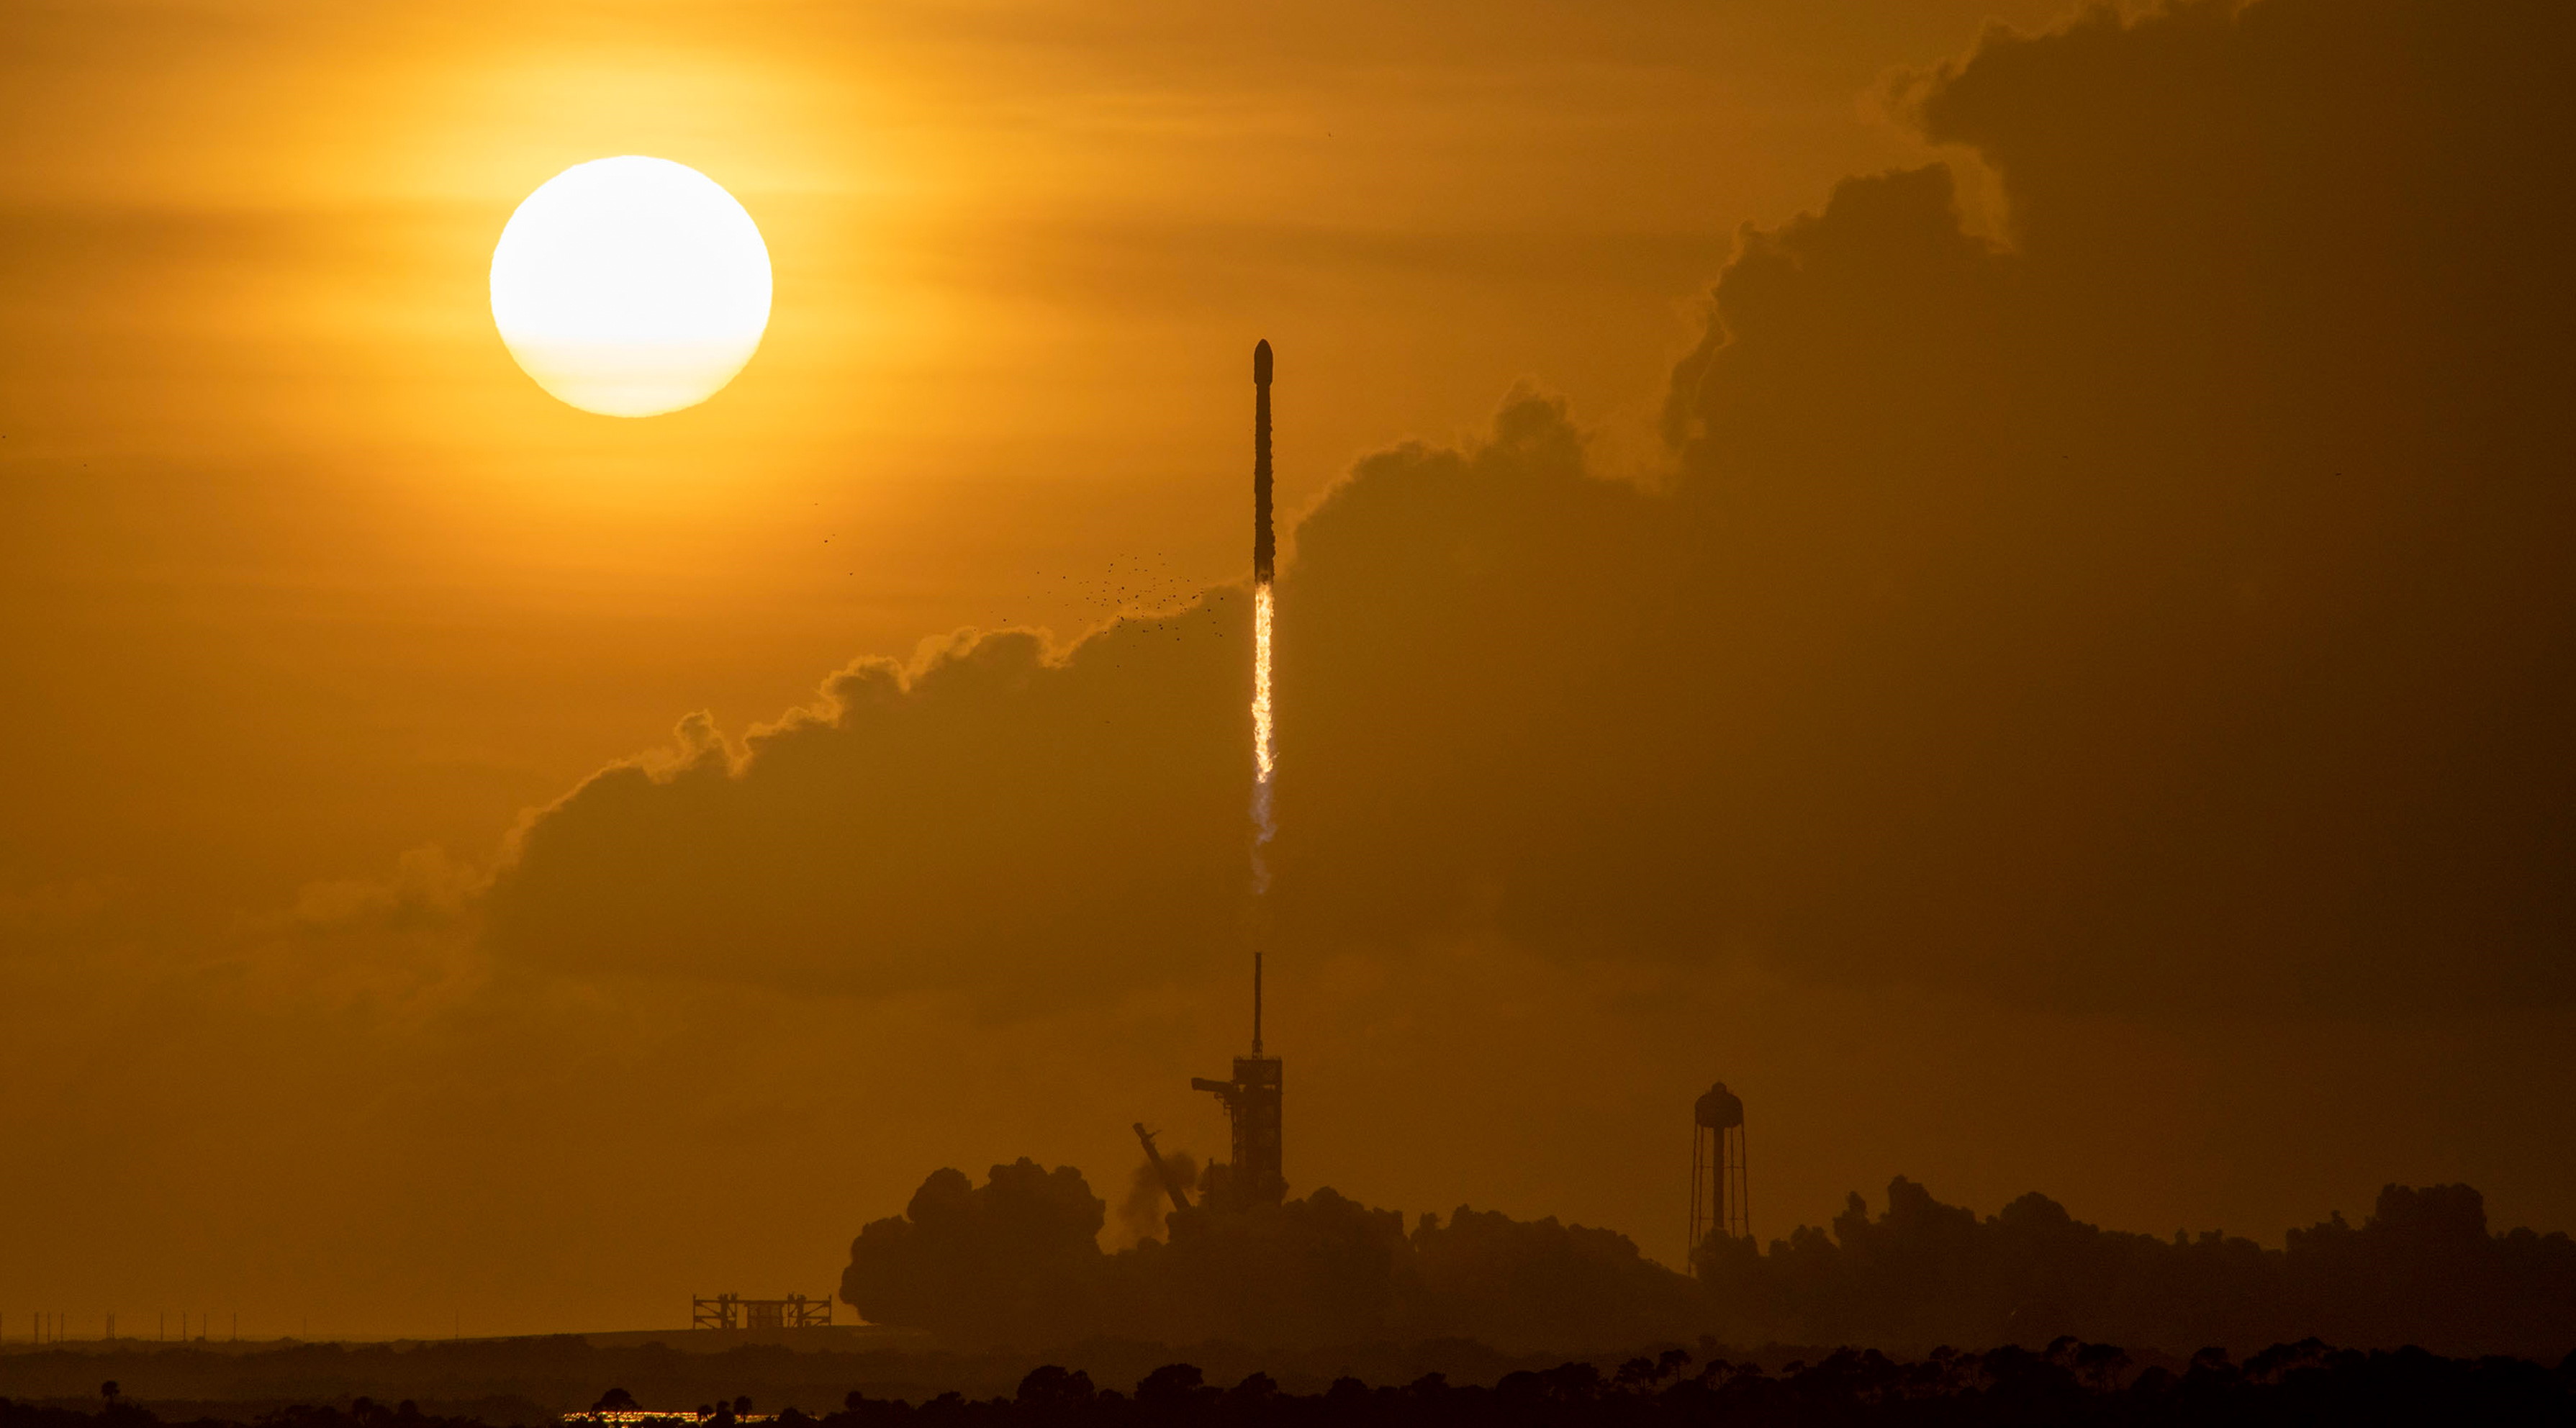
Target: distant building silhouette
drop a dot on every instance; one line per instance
(732, 1311)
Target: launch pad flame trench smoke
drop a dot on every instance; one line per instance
(1265, 737)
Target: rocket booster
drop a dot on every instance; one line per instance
(1262, 547)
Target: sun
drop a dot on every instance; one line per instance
(631, 286)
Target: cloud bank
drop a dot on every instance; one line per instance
(2164, 607)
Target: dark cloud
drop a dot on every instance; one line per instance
(2170, 599)
(991, 815)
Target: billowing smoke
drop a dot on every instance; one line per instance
(1141, 1213)
(1012, 1262)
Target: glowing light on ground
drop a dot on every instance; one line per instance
(631, 286)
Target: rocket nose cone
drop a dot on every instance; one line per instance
(1261, 362)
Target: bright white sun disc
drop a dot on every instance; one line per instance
(631, 286)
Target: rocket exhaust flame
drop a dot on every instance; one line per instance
(1265, 739)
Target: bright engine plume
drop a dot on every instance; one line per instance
(1265, 738)
(1265, 741)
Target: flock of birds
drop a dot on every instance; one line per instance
(1133, 585)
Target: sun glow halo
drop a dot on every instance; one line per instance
(631, 286)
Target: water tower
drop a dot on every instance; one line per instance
(1717, 1167)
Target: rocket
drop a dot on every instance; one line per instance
(1262, 547)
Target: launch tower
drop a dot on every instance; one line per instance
(1717, 1168)
(1252, 1103)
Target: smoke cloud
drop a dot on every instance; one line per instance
(1142, 1212)
(1007, 1262)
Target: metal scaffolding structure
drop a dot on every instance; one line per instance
(732, 1311)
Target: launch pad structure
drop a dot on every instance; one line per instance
(1252, 1104)
(732, 1311)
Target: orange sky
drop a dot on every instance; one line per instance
(312, 598)
(1017, 250)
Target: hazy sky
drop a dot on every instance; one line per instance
(2062, 686)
